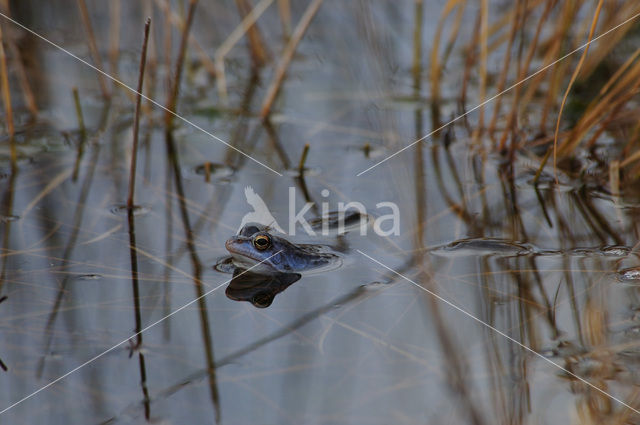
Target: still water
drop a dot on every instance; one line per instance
(551, 266)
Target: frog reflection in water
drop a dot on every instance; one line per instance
(259, 289)
(283, 264)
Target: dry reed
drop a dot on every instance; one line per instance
(136, 116)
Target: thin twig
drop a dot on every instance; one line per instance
(287, 55)
(173, 95)
(114, 35)
(27, 92)
(303, 159)
(573, 79)
(284, 10)
(93, 47)
(259, 54)
(6, 98)
(83, 132)
(232, 40)
(136, 116)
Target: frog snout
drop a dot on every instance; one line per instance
(229, 244)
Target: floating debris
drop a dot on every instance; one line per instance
(631, 274)
(123, 210)
(213, 171)
(307, 172)
(89, 276)
(599, 365)
(8, 218)
(373, 286)
(492, 246)
(633, 331)
(616, 250)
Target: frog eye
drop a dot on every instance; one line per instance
(262, 242)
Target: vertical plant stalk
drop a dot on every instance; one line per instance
(131, 220)
(114, 35)
(27, 92)
(173, 19)
(416, 65)
(173, 95)
(259, 54)
(6, 99)
(136, 116)
(93, 47)
(563, 25)
(303, 159)
(573, 79)
(471, 56)
(435, 69)
(484, 55)
(207, 171)
(152, 60)
(284, 9)
(83, 133)
(287, 55)
(523, 72)
(232, 40)
(137, 346)
(502, 81)
(196, 263)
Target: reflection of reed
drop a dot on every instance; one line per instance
(136, 305)
(358, 294)
(7, 214)
(452, 356)
(287, 55)
(172, 100)
(6, 100)
(3, 366)
(197, 276)
(77, 226)
(93, 47)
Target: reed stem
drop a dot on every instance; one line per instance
(173, 95)
(83, 132)
(93, 47)
(136, 116)
(303, 159)
(6, 98)
(287, 55)
(259, 54)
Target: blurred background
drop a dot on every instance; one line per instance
(523, 211)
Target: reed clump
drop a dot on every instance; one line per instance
(568, 75)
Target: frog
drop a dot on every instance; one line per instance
(261, 249)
